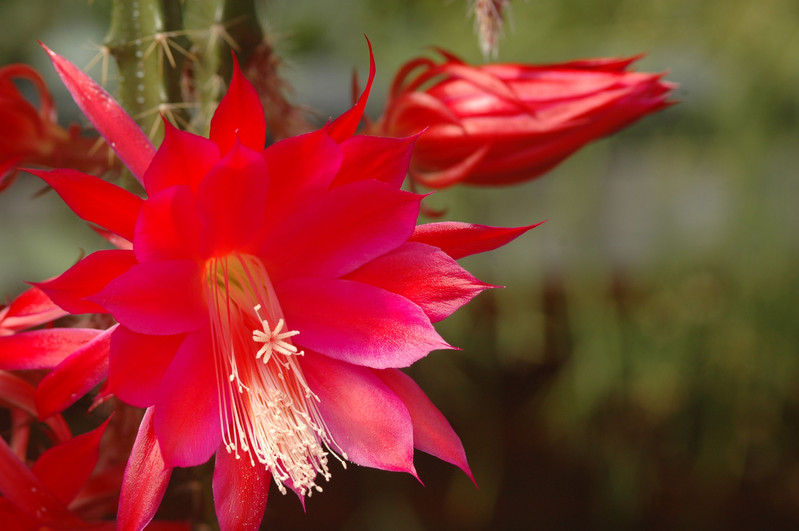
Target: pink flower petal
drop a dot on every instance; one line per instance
(424, 275)
(64, 468)
(345, 125)
(357, 323)
(345, 228)
(372, 157)
(95, 200)
(464, 239)
(161, 298)
(240, 492)
(31, 308)
(240, 116)
(75, 376)
(71, 289)
(137, 365)
(300, 168)
(365, 418)
(187, 412)
(183, 158)
(230, 201)
(145, 482)
(168, 226)
(431, 431)
(113, 123)
(42, 349)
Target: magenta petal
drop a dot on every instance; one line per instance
(31, 308)
(75, 376)
(161, 298)
(345, 228)
(372, 157)
(240, 116)
(423, 274)
(71, 289)
(187, 412)
(365, 418)
(240, 492)
(42, 349)
(95, 200)
(107, 116)
(431, 431)
(182, 159)
(145, 481)
(137, 365)
(168, 226)
(22, 488)
(463, 239)
(357, 323)
(345, 125)
(64, 468)
(230, 201)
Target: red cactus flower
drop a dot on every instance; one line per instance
(268, 301)
(32, 136)
(500, 124)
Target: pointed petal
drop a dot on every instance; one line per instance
(357, 323)
(145, 482)
(240, 116)
(161, 298)
(372, 157)
(42, 349)
(345, 228)
(75, 376)
(345, 125)
(464, 239)
(183, 158)
(31, 308)
(107, 116)
(65, 468)
(423, 274)
(95, 200)
(230, 201)
(168, 226)
(240, 492)
(71, 289)
(431, 431)
(365, 418)
(187, 413)
(137, 365)
(19, 394)
(22, 488)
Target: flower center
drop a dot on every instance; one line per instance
(267, 410)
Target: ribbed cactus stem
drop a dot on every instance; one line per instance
(143, 41)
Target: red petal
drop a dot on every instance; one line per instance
(168, 226)
(240, 492)
(230, 201)
(464, 239)
(431, 431)
(161, 298)
(21, 395)
(75, 376)
(137, 365)
(183, 158)
(342, 230)
(95, 200)
(42, 349)
(345, 125)
(71, 289)
(65, 468)
(240, 116)
(31, 308)
(357, 323)
(424, 275)
(372, 157)
(365, 418)
(119, 129)
(146, 479)
(187, 413)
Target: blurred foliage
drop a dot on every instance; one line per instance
(641, 368)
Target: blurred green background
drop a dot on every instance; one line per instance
(641, 370)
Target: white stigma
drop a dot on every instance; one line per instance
(274, 341)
